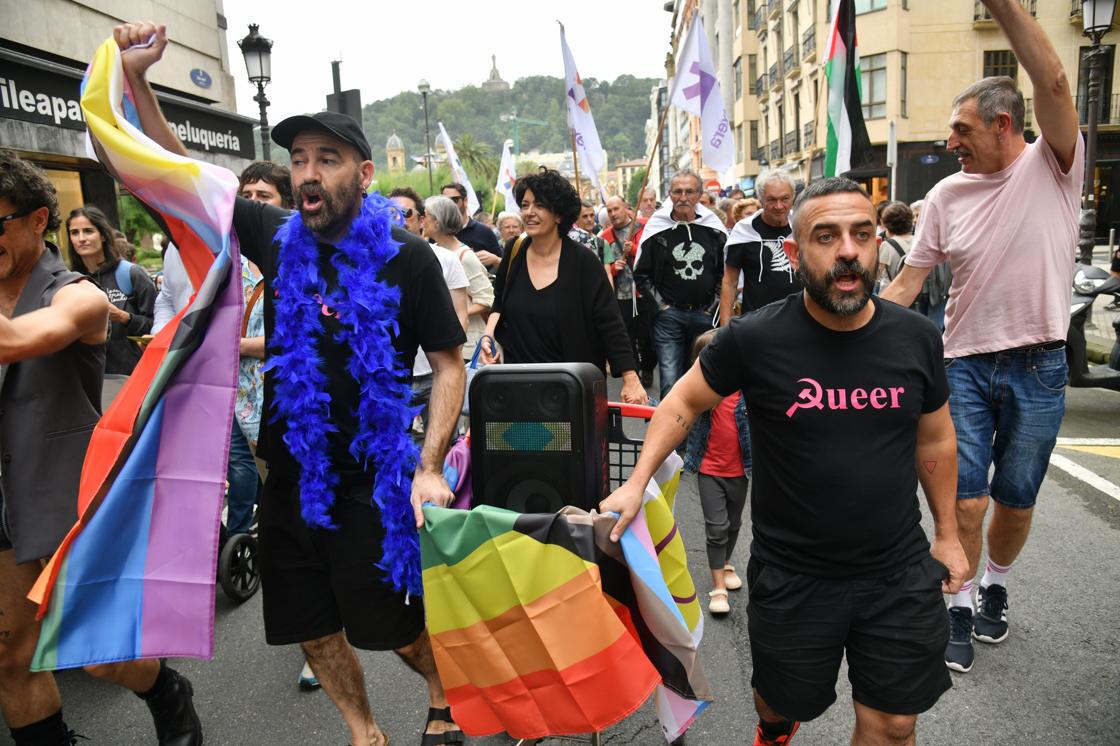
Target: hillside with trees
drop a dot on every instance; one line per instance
(620, 108)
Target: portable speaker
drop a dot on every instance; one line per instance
(539, 436)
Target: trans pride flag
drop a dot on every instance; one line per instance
(135, 577)
(541, 626)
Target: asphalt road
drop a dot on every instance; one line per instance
(1055, 680)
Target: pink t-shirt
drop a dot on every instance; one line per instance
(1010, 240)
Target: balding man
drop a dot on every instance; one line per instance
(622, 236)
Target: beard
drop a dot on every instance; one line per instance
(843, 303)
(334, 208)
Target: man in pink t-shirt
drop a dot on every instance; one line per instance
(1007, 225)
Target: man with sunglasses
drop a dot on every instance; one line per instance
(680, 265)
(53, 328)
(411, 208)
(474, 234)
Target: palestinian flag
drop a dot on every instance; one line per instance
(134, 578)
(541, 626)
(848, 143)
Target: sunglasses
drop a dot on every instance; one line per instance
(15, 216)
(407, 212)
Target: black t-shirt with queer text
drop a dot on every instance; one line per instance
(767, 273)
(426, 319)
(834, 424)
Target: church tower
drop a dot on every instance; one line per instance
(394, 154)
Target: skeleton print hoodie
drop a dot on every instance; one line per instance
(681, 264)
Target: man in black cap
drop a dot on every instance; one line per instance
(343, 289)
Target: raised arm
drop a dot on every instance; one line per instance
(1053, 105)
(79, 312)
(136, 59)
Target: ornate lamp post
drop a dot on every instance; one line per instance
(1096, 19)
(425, 89)
(257, 51)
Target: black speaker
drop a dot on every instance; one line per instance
(539, 436)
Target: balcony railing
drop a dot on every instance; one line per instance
(762, 87)
(1109, 113)
(1075, 11)
(790, 61)
(980, 13)
(774, 8)
(775, 75)
(759, 154)
(775, 150)
(792, 143)
(809, 44)
(809, 133)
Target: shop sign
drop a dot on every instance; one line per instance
(43, 97)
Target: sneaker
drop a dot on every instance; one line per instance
(958, 653)
(991, 614)
(761, 740)
(308, 681)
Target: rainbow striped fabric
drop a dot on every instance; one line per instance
(541, 626)
(135, 577)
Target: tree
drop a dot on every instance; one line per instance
(478, 158)
(634, 185)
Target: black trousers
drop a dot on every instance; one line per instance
(639, 327)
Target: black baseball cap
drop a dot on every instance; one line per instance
(333, 123)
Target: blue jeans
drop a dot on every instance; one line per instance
(674, 331)
(1007, 408)
(244, 481)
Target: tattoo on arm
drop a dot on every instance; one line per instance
(930, 466)
(683, 422)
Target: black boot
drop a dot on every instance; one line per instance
(172, 705)
(50, 731)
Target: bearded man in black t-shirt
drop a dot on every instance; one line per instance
(755, 260)
(349, 296)
(848, 413)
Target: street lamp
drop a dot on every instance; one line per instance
(257, 51)
(1096, 20)
(425, 89)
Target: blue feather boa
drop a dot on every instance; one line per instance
(367, 310)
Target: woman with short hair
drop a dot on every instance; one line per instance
(442, 220)
(553, 302)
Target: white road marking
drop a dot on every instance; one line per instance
(1088, 477)
(1089, 441)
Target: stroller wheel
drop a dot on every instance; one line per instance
(237, 567)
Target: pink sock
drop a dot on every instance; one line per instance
(995, 574)
(963, 597)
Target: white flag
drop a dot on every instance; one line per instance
(588, 149)
(506, 176)
(696, 90)
(458, 173)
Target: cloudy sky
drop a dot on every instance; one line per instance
(387, 47)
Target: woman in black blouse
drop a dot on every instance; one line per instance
(552, 301)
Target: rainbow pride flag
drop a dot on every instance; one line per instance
(541, 626)
(134, 578)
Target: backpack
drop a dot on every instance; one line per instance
(123, 276)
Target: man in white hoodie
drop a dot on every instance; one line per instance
(680, 265)
(755, 261)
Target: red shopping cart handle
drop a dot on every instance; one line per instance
(632, 410)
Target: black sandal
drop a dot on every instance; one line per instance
(448, 738)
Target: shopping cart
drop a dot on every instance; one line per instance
(622, 450)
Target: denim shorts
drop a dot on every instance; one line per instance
(1007, 408)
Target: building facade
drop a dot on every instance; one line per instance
(41, 67)
(915, 56)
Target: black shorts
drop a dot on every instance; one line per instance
(893, 630)
(316, 582)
